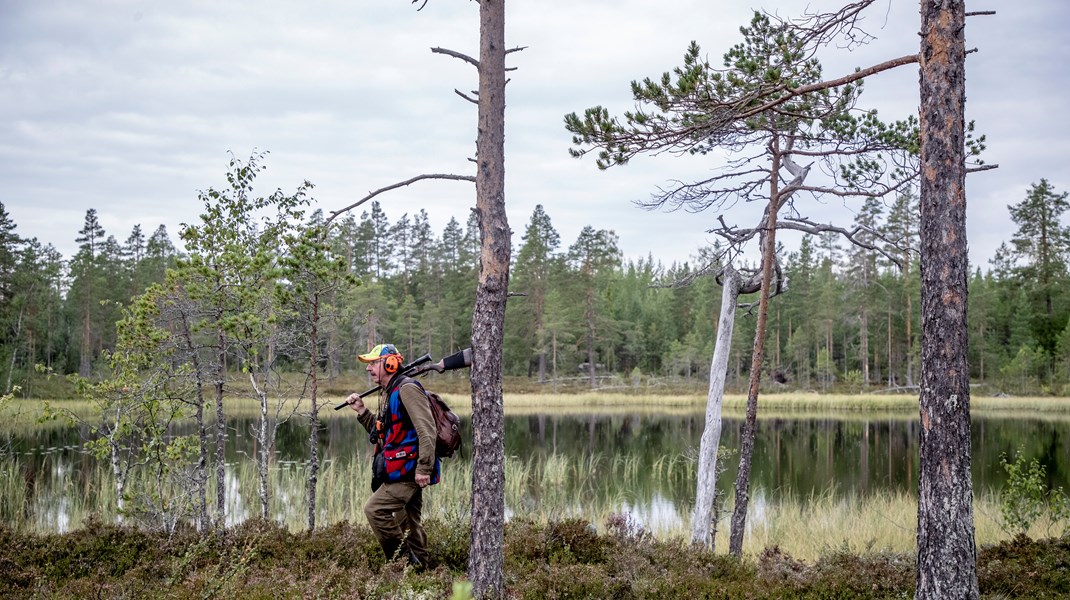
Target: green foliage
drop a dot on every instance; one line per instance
(761, 93)
(636, 318)
(1024, 367)
(1026, 497)
(853, 378)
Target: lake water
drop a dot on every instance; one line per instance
(634, 463)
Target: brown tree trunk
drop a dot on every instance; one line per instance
(947, 553)
(486, 552)
(746, 452)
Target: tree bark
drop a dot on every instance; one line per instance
(220, 425)
(313, 419)
(486, 552)
(201, 472)
(746, 452)
(947, 553)
(263, 457)
(703, 527)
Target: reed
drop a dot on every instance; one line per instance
(12, 493)
(807, 526)
(816, 525)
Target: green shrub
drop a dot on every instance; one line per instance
(1026, 497)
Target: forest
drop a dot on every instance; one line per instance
(578, 311)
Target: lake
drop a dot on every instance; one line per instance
(579, 464)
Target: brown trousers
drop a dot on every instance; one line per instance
(394, 512)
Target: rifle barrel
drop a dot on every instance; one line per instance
(402, 371)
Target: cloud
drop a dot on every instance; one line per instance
(130, 107)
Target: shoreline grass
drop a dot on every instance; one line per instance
(806, 526)
(769, 405)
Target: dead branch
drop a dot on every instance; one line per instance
(394, 186)
(821, 28)
(981, 168)
(465, 96)
(455, 54)
(888, 251)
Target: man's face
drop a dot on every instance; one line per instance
(379, 375)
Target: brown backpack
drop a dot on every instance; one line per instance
(447, 427)
(447, 424)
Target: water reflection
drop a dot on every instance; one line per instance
(639, 464)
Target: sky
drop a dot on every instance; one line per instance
(131, 107)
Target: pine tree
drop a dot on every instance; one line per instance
(86, 271)
(593, 255)
(1040, 251)
(536, 262)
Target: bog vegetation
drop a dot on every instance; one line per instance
(562, 559)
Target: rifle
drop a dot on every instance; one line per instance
(457, 360)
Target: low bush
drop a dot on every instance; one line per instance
(563, 559)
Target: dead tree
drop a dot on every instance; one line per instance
(770, 110)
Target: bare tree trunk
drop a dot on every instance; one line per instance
(263, 457)
(486, 552)
(739, 513)
(703, 527)
(201, 472)
(947, 551)
(314, 419)
(118, 470)
(220, 426)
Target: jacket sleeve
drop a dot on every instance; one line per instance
(418, 408)
(367, 420)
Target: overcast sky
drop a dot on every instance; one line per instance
(131, 106)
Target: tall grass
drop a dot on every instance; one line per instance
(549, 489)
(12, 492)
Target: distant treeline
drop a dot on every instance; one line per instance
(851, 317)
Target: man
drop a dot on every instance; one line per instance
(403, 432)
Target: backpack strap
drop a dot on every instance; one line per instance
(391, 387)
